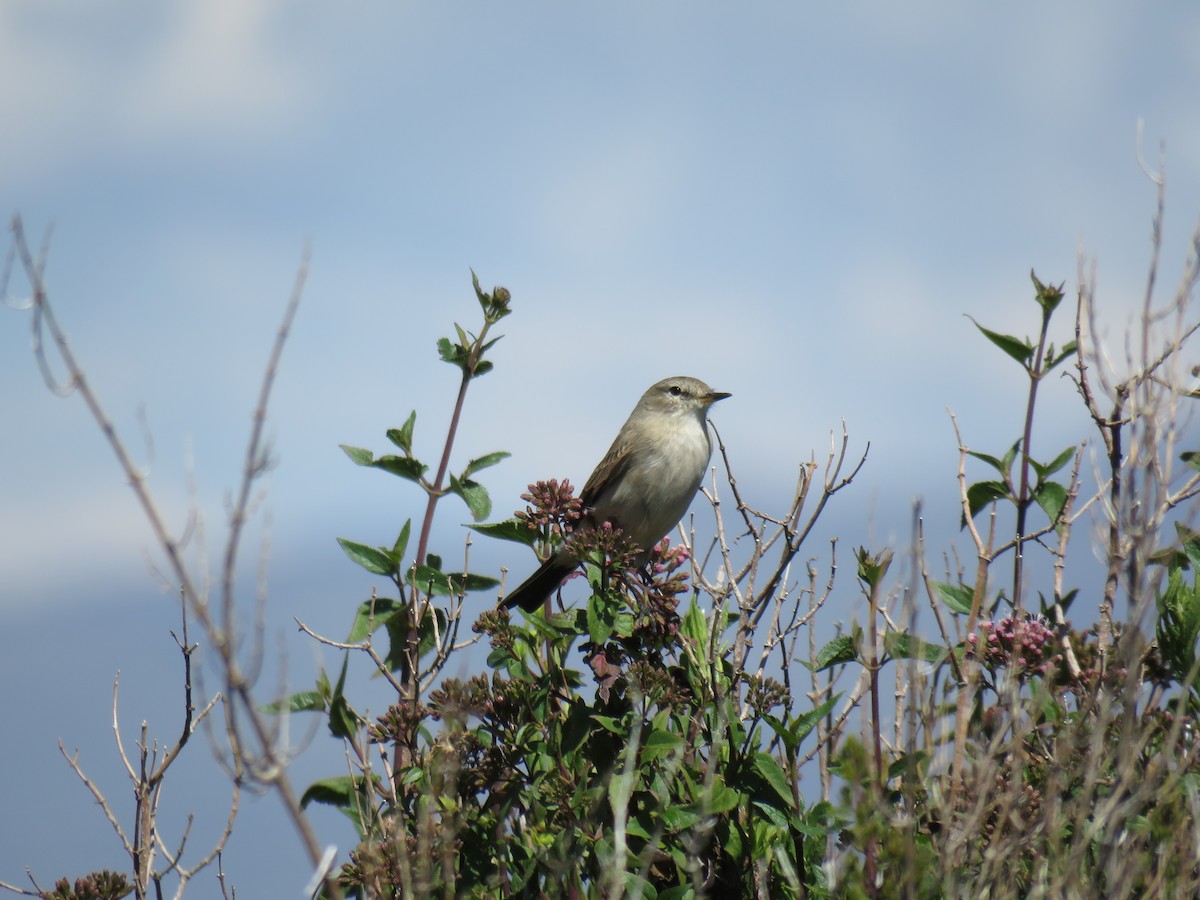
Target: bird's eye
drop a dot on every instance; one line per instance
(676, 390)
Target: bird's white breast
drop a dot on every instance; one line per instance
(658, 486)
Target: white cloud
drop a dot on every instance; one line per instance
(57, 540)
(130, 78)
(601, 201)
(215, 67)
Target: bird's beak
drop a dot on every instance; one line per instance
(713, 396)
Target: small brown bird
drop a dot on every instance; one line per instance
(644, 484)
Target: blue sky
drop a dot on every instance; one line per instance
(796, 203)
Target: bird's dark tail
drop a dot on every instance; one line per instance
(534, 590)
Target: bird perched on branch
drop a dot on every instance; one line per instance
(644, 484)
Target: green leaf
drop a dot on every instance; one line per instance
(474, 494)
(430, 579)
(508, 530)
(452, 353)
(1191, 545)
(772, 773)
(992, 461)
(837, 652)
(1051, 497)
(956, 596)
(1011, 454)
(499, 658)
(304, 701)
(679, 892)
(433, 624)
(575, 730)
(402, 541)
(484, 298)
(1067, 351)
(902, 645)
(804, 725)
(601, 617)
(637, 886)
(374, 560)
(908, 764)
(371, 616)
(1067, 599)
(733, 844)
(358, 455)
(797, 729)
(404, 466)
(1054, 465)
(412, 775)
(660, 743)
(777, 817)
(1178, 626)
(472, 582)
(1177, 556)
(343, 720)
(694, 625)
(679, 818)
(635, 827)
(608, 723)
(337, 791)
(483, 462)
(402, 436)
(721, 799)
(983, 494)
(1020, 350)
(450, 584)
(872, 568)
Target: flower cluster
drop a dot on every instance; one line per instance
(376, 864)
(606, 543)
(496, 624)
(651, 594)
(458, 700)
(103, 885)
(1010, 804)
(1026, 645)
(656, 602)
(399, 724)
(658, 684)
(497, 703)
(667, 559)
(1110, 676)
(552, 507)
(764, 693)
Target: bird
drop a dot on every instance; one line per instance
(643, 485)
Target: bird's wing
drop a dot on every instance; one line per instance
(610, 470)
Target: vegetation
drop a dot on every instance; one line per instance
(680, 732)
